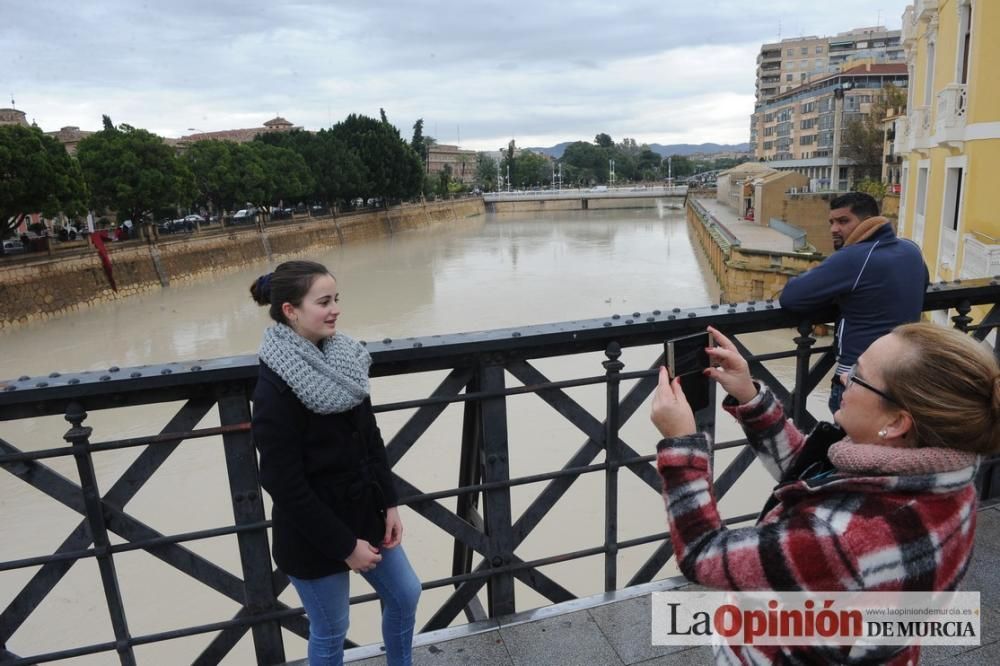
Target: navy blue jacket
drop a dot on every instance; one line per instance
(327, 475)
(877, 283)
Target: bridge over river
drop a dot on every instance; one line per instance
(487, 524)
(640, 195)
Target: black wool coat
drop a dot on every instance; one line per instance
(327, 475)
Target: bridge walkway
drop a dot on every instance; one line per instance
(614, 629)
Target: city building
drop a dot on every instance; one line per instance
(801, 129)
(461, 162)
(950, 136)
(791, 62)
(733, 189)
(245, 135)
(13, 117)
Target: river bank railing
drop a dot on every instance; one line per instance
(482, 528)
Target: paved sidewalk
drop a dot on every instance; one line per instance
(752, 236)
(615, 628)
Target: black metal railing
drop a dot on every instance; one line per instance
(482, 524)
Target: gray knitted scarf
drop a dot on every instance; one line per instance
(329, 378)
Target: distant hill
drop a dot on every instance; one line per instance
(672, 149)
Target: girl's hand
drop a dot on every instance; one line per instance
(671, 413)
(730, 369)
(393, 528)
(364, 558)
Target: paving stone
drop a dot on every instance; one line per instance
(486, 648)
(571, 639)
(695, 656)
(627, 627)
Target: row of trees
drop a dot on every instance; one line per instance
(134, 173)
(586, 163)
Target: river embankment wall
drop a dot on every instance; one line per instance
(744, 274)
(35, 289)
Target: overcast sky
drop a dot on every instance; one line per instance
(663, 71)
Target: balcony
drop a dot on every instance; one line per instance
(909, 30)
(925, 10)
(920, 128)
(952, 103)
(901, 140)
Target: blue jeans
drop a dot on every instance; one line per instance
(326, 603)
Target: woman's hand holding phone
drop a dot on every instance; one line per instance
(730, 369)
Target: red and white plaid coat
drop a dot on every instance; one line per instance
(838, 532)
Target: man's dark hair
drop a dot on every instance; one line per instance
(861, 204)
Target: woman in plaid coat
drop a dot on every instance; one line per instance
(886, 503)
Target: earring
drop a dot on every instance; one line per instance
(882, 433)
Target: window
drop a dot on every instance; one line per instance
(964, 35)
(818, 64)
(808, 123)
(808, 107)
(807, 140)
(803, 76)
(819, 49)
(790, 52)
(769, 131)
(804, 50)
(788, 77)
(768, 145)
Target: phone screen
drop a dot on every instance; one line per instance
(686, 354)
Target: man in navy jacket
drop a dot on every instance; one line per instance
(877, 281)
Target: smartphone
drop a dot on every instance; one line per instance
(686, 355)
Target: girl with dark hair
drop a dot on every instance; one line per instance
(323, 462)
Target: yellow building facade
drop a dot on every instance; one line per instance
(950, 137)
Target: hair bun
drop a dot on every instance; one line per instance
(260, 290)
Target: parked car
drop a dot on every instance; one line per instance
(13, 246)
(317, 209)
(194, 219)
(244, 216)
(281, 213)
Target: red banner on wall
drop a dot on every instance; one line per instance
(98, 241)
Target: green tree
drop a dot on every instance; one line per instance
(604, 140)
(443, 181)
(36, 176)
(531, 170)
(648, 164)
(486, 172)
(211, 166)
(417, 142)
(585, 163)
(392, 168)
(863, 138)
(681, 166)
(285, 174)
(131, 171)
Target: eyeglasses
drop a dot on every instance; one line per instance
(852, 378)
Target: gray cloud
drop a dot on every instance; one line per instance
(541, 72)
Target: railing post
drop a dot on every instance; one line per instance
(496, 467)
(79, 437)
(467, 505)
(612, 455)
(962, 319)
(248, 507)
(803, 345)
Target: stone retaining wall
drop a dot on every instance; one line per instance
(47, 287)
(743, 274)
